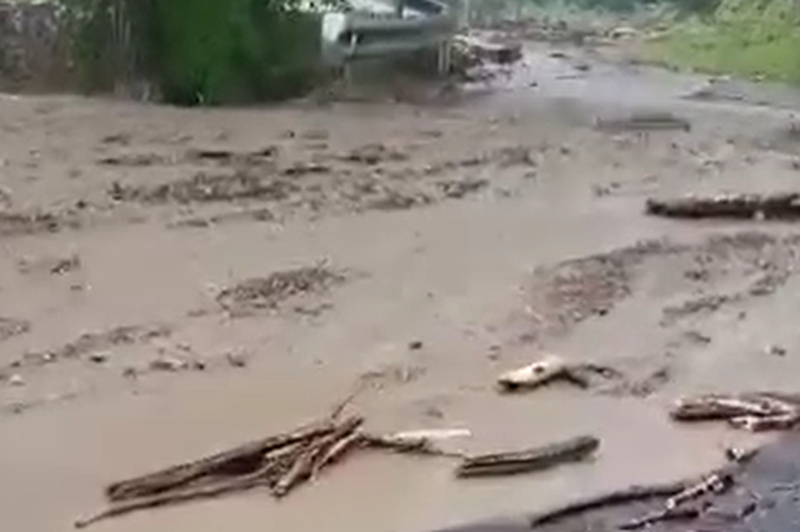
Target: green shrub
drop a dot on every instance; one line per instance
(197, 52)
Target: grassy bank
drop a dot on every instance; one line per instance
(745, 38)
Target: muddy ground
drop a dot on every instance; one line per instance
(176, 281)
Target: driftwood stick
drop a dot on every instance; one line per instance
(667, 490)
(614, 498)
(571, 450)
(420, 446)
(336, 452)
(314, 450)
(179, 475)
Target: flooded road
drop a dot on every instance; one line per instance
(422, 250)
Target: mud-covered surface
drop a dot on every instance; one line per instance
(177, 281)
(720, 271)
(265, 293)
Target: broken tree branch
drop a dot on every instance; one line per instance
(244, 457)
(314, 450)
(572, 450)
(669, 514)
(614, 498)
(336, 452)
(637, 493)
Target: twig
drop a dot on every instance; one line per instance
(339, 408)
(669, 514)
(336, 452)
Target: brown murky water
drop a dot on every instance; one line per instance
(175, 281)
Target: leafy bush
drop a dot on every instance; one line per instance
(197, 51)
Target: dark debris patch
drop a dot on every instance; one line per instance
(91, 342)
(224, 156)
(11, 327)
(37, 222)
(458, 189)
(204, 187)
(265, 293)
(570, 292)
(375, 153)
(575, 290)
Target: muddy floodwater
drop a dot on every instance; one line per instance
(174, 282)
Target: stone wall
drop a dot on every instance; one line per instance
(33, 53)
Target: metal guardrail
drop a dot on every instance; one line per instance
(355, 35)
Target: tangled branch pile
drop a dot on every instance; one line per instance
(280, 463)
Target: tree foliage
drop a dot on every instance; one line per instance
(196, 51)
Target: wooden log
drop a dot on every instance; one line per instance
(243, 458)
(540, 372)
(781, 205)
(509, 463)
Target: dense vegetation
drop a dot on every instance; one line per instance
(752, 38)
(196, 51)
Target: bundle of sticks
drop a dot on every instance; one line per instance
(754, 411)
(279, 463)
(283, 462)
